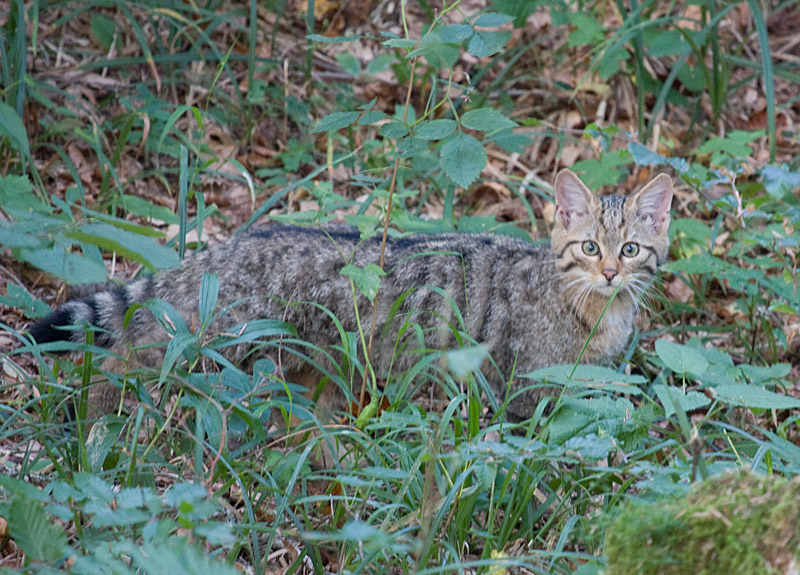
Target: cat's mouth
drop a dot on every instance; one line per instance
(607, 288)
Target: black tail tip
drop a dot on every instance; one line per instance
(44, 331)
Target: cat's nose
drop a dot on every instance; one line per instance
(610, 273)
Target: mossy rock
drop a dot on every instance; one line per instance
(736, 524)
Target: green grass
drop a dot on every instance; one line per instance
(202, 128)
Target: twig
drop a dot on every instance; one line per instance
(383, 241)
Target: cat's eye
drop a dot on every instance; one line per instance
(590, 248)
(630, 250)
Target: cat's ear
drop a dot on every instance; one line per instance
(574, 200)
(651, 204)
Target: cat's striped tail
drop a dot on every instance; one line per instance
(105, 310)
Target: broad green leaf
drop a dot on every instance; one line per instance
(591, 447)
(463, 159)
(101, 439)
(402, 43)
(332, 39)
(335, 121)
(181, 342)
(681, 359)
(435, 129)
(455, 33)
(367, 279)
(511, 141)
(734, 144)
(698, 264)
(609, 62)
(485, 43)
(757, 373)
(393, 130)
(779, 180)
(102, 29)
(11, 127)
(349, 62)
(142, 208)
(72, 268)
(143, 250)
(28, 491)
(438, 53)
(588, 377)
(587, 30)
(519, 11)
(371, 117)
(380, 63)
(754, 396)
(693, 229)
(604, 416)
(17, 192)
(20, 298)
(666, 43)
(492, 20)
(687, 401)
(29, 527)
(486, 119)
(644, 156)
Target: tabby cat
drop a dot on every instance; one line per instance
(531, 305)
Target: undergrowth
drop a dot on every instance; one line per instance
(432, 477)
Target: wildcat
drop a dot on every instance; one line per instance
(531, 305)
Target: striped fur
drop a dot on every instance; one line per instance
(530, 305)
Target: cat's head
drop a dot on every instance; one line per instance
(602, 242)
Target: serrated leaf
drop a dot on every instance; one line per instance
(367, 279)
(512, 142)
(486, 43)
(486, 119)
(698, 264)
(20, 298)
(585, 30)
(371, 117)
(754, 396)
(591, 446)
(735, 144)
(394, 130)
(335, 121)
(589, 376)
(463, 159)
(435, 129)
(455, 33)
(681, 359)
(380, 63)
(32, 531)
(644, 156)
(757, 373)
(437, 53)
(11, 127)
(687, 401)
(779, 180)
(492, 20)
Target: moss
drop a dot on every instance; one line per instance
(737, 524)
